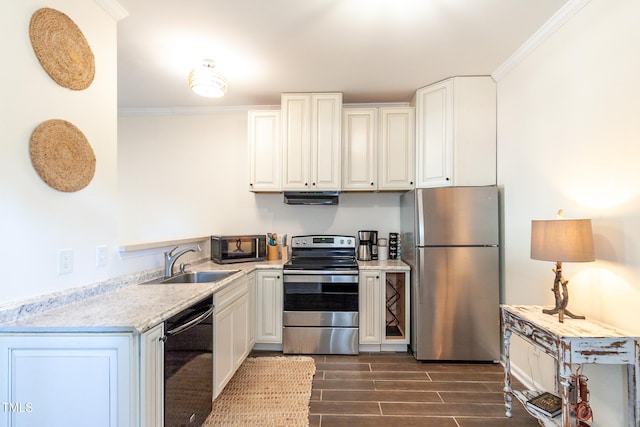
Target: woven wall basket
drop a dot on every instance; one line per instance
(62, 156)
(62, 49)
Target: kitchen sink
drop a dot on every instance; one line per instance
(196, 277)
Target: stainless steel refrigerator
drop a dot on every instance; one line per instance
(450, 239)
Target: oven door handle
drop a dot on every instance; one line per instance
(191, 323)
(321, 272)
(313, 278)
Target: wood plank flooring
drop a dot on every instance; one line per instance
(392, 389)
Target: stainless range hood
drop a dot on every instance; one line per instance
(311, 197)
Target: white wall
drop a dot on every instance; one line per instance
(35, 219)
(568, 130)
(187, 175)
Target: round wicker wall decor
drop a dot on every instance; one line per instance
(62, 156)
(62, 49)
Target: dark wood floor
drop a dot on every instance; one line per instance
(392, 389)
(378, 389)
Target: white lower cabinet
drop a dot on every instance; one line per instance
(384, 310)
(68, 379)
(231, 332)
(251, 282)
(269, 309)
(369, 311)
(152, 377)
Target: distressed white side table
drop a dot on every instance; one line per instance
(571, 344)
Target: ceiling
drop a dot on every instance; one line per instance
(370, 50)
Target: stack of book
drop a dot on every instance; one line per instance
(546, 403)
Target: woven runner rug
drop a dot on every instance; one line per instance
(266, 391)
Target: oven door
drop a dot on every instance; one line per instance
(320, 291)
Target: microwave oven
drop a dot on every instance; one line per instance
(230, 249)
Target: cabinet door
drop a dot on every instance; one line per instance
(251, 279)
(396, 169)
(265, 168)
(240, 330)
(434, 137)
(474, 149)
(152, 377)
(269, 310)
(326, 117)
(223, 344)
(359, 149)
(296, 141)
(62, 380)
(370, 307)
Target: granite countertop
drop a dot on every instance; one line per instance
(390, 264)
(139, 307)
(135, 308)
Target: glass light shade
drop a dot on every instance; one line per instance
(569, 240)
(205, 81)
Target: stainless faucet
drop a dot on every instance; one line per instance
(170, 258)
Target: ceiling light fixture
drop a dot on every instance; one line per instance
(206, 81)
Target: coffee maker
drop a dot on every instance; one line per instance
(364, 245)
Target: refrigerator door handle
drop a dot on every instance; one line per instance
(419, 219)
(420, 273)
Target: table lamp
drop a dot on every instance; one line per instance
(562, 240)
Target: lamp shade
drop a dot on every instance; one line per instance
(569, 240)
(206, 81)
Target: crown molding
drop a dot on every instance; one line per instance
(564, 14)
(114, 8)
(193, 111)
(190, 111)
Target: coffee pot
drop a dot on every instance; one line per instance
(364, 245)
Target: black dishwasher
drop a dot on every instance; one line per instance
(188, 365)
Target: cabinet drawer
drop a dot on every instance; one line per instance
(229, 294)
(532, 333)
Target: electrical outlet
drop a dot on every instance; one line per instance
(65, 261)
(101, 256)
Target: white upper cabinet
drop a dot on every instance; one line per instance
(378, 149)
(311, 141)
(359, 149)
(456, 132)
(265, 168)
(396, 154)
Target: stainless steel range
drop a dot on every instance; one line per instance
(321, 296)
